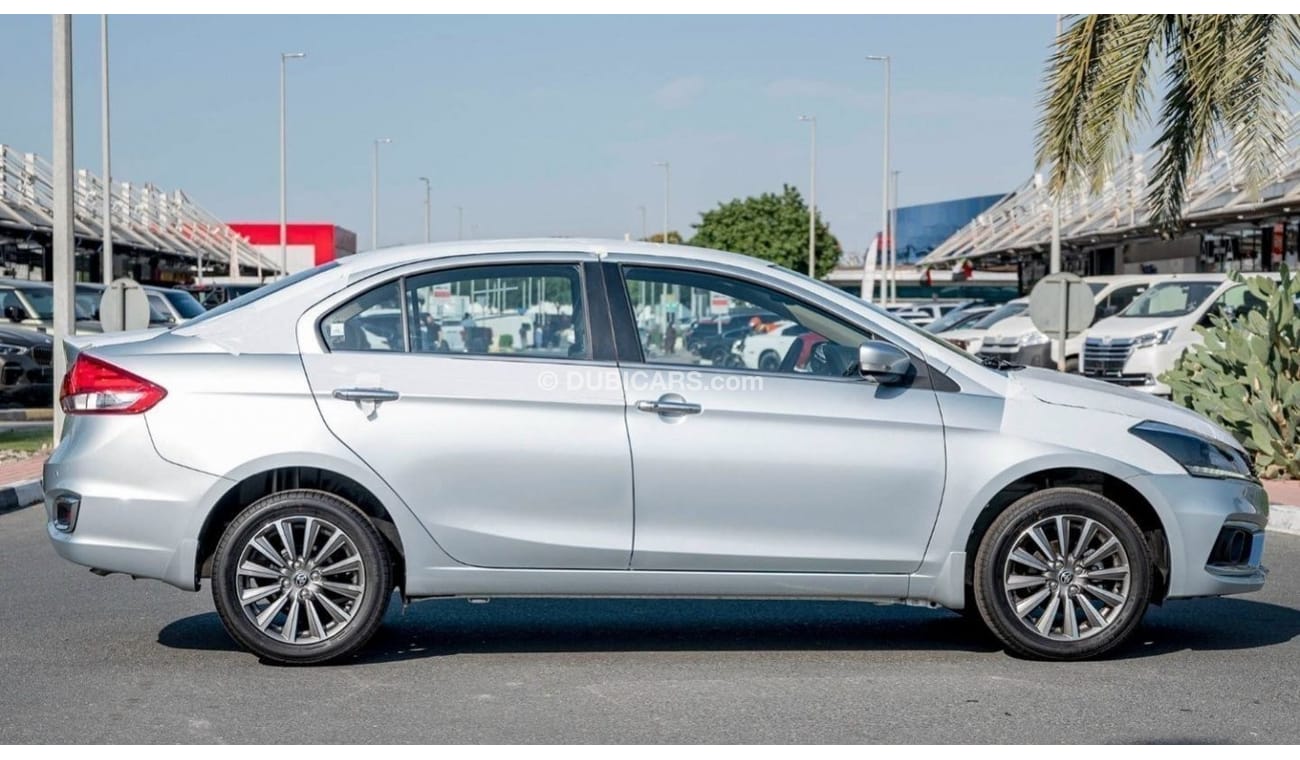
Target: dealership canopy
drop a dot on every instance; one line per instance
(145, 219)
(1217, 201)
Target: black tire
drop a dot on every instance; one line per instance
(1072, 364)
(991, 568)
(374, 576)
(769, 361)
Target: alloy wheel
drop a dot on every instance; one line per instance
(1067, 577)
(300, 580)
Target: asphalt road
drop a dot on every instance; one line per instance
(87, 659)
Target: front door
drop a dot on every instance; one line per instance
(802, 468)
(506, 462)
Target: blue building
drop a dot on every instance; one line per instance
(921, 228)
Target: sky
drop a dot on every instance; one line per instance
(541, 126)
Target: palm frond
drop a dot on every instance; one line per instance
(1258, 74)
(1117, 103)
(1072, 75)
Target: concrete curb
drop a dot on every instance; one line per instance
(26, 415)
(1284, 518)
(15, 496)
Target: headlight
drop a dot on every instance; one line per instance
(1034, 338)
(1158, 338)
(8, 349)
(1198, 455)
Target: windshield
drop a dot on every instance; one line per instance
(1096, 287)
(183, 302)
(1005, 311)
(955, 318)
(262, 292)
(1170, 299)
(41, 300)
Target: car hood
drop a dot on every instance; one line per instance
(16, 336)
(1065, 389)
(1130, 327)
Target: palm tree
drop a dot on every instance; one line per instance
(1227, 80)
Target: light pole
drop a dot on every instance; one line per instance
(460, 222)
(63, 267)
(427, 223)
(1054, 255)
(643, 227)
(284, 224)
(107, 250)
(812, 198)
(667, 185)
(893, 241)
(374, 195)
(884, 182)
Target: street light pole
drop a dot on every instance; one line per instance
(374, 196)
(107, 251)
(884, 179)
(62, 274)
(812, 199)
(893, 240)
(1054, 260)
(284, 224)
(667, 185)
(428, 235)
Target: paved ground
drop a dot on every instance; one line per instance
(86, 659)
(22, 470)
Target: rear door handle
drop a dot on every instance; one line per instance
(669, 405)
(377, 395)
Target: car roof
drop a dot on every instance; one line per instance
(385, 258)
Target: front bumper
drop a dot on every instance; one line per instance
(1139, 370)
(136, 512)
(1199, 516)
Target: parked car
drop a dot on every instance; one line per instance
(1017, 341)
(958, 318)
(717, 347)
(89, 296)
(969, 338)
(767, 350)
(28, 303)
(890, 467)
(213, 294)
(179, 305)
(1136, 346)
(26, 375)
(922, 313)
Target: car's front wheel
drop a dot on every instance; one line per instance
(301, 577)
(1063, 574)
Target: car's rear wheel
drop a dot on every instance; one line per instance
(1063, 574)
(769, 361)
(301, 577)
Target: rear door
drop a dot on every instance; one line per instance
(512, 452)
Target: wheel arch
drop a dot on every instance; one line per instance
(1118, 490)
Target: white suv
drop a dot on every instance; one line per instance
(1016, 340)
(1136, 346)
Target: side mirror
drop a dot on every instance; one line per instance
(883, 362)
(14, 314)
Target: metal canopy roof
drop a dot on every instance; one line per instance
(1216, 198)
(143, 216)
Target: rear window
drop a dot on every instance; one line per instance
(263, 292)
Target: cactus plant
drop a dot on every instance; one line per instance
(1246, 376)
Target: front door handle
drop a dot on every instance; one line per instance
(376, 395)
(669, 405)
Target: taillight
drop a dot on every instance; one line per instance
(93, 386)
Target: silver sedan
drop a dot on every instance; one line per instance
(524, 418)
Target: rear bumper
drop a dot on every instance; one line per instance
(1195, 513)
(136, 511)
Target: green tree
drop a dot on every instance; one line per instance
(770, 226)
(1227, 80)
(674, 237)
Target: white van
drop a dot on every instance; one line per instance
(1017, 341)
(1135, 347)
